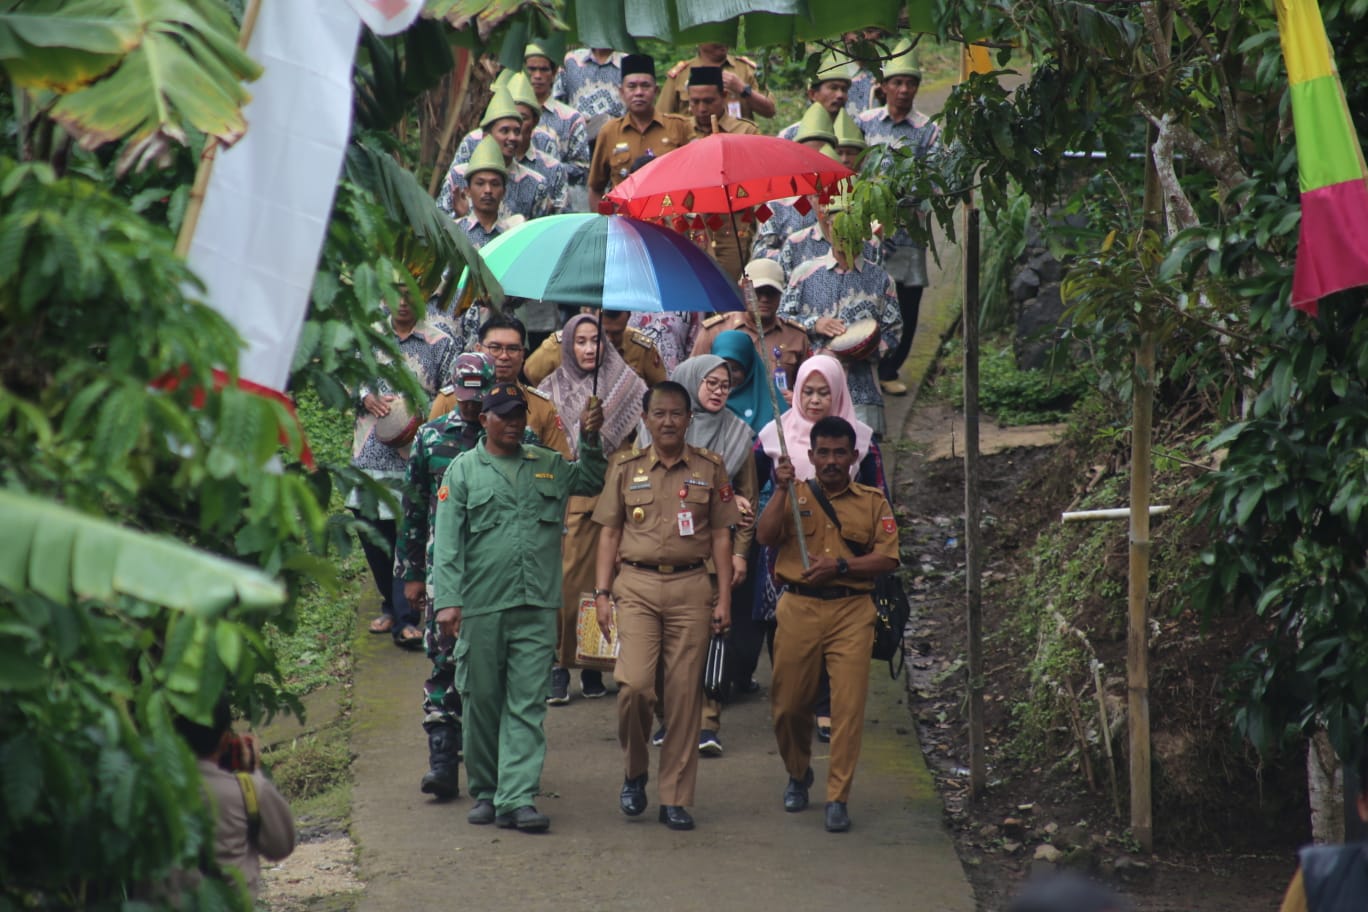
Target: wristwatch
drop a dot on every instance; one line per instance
(607, 592)
(746, 92)
(842, 566)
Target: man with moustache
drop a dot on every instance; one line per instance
(826, 612)
(665, 510)
(497, 589)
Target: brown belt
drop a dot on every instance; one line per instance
(665, 568)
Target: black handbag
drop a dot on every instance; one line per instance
(715, 668)
(890, 601)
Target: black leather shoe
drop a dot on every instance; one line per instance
(675, 817)
(526, 818)
(837, 819)
(796, 793)
(633, 797)
(482, 813)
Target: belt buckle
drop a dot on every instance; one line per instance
(666, 568)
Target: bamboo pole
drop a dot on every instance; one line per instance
(973, 556)
(1112, 513)
(210, 151)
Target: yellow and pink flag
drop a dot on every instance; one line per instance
(1332, 248)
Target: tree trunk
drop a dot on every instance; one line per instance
(1325, 786)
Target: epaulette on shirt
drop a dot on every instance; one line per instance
(677, 69)
(643, 340)
(628, 455)
(714, 320)
(708, 455)
(792, 322)
(746, 60)
(536, 392)
(558, 335)
(448, 390)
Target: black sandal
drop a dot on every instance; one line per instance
(408, 637)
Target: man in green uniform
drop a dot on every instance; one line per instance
(436, 445)
(497, 582)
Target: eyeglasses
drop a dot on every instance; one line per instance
(717, 386)
(495, 349)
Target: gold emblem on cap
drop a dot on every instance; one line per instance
(638, 515)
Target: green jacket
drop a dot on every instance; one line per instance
(498, 530)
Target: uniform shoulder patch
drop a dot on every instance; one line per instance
(707, 454)
(789, 321)
(557, 335)
(714, 320)
(538, 393)
(643, 340)
(746, 60)
(677, 69)
(628, 455)
(448, 390)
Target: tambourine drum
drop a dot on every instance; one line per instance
(398, 428)
(858, 342)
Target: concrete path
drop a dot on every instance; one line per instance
(746, 853)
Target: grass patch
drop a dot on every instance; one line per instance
(1013, 397)
(311, 766)
(318, 651)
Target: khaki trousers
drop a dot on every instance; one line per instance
(841, 631)
(662, 618)
(578, 552)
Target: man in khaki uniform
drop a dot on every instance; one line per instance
(635, 346)
(708, 106)
(504, 339)
(826, 611)
(779, 332)
(641, 131)
(665, 511)
(744, 98)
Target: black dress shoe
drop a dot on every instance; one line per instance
(837, 819)
(633, 797)
(796, 793)
(482, 813)
(526, 818)
(675, 817)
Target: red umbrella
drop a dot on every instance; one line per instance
(726, 172)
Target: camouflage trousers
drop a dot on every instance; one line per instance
(441, 702)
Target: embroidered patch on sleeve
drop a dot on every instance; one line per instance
(726, 493)
(442, 492)
(889, 525)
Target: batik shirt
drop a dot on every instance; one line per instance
(918, 133)
(526, 192)
(588, 86)
(437, 443)
(555, 172)
(783, 221)
(572, 134)
(821, 288)
(790, 132)
(428, 352)
(809, 244)
(476, 233)
(861, 94)
(672, 333)
(543, 138)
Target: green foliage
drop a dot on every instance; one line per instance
(1286, 509)
(1013, 396)
(1004, 242)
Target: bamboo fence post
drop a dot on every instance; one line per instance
(210, 151)
(973, 547)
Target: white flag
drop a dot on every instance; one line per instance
(267, 205)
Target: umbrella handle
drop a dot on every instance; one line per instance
(753, 305)
(598, 352)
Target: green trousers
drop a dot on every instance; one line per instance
(502, 664)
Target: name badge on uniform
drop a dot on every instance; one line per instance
(734, 108)
(620, 148)
(685, 518)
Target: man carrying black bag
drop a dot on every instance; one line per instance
(826, 610)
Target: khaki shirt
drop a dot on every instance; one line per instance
(542, 418)
(866, 519)
(637, 350)
(620, 143)
(726, 124)
(674, 95)
(785, 335)
(644, 498)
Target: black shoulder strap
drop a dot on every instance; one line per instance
(817, 492)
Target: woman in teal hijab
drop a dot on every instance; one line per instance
(749, 399)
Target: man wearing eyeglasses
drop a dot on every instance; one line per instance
(504, 339)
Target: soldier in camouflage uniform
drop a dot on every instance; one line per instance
(437, 443)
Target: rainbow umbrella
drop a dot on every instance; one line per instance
(610, 262)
